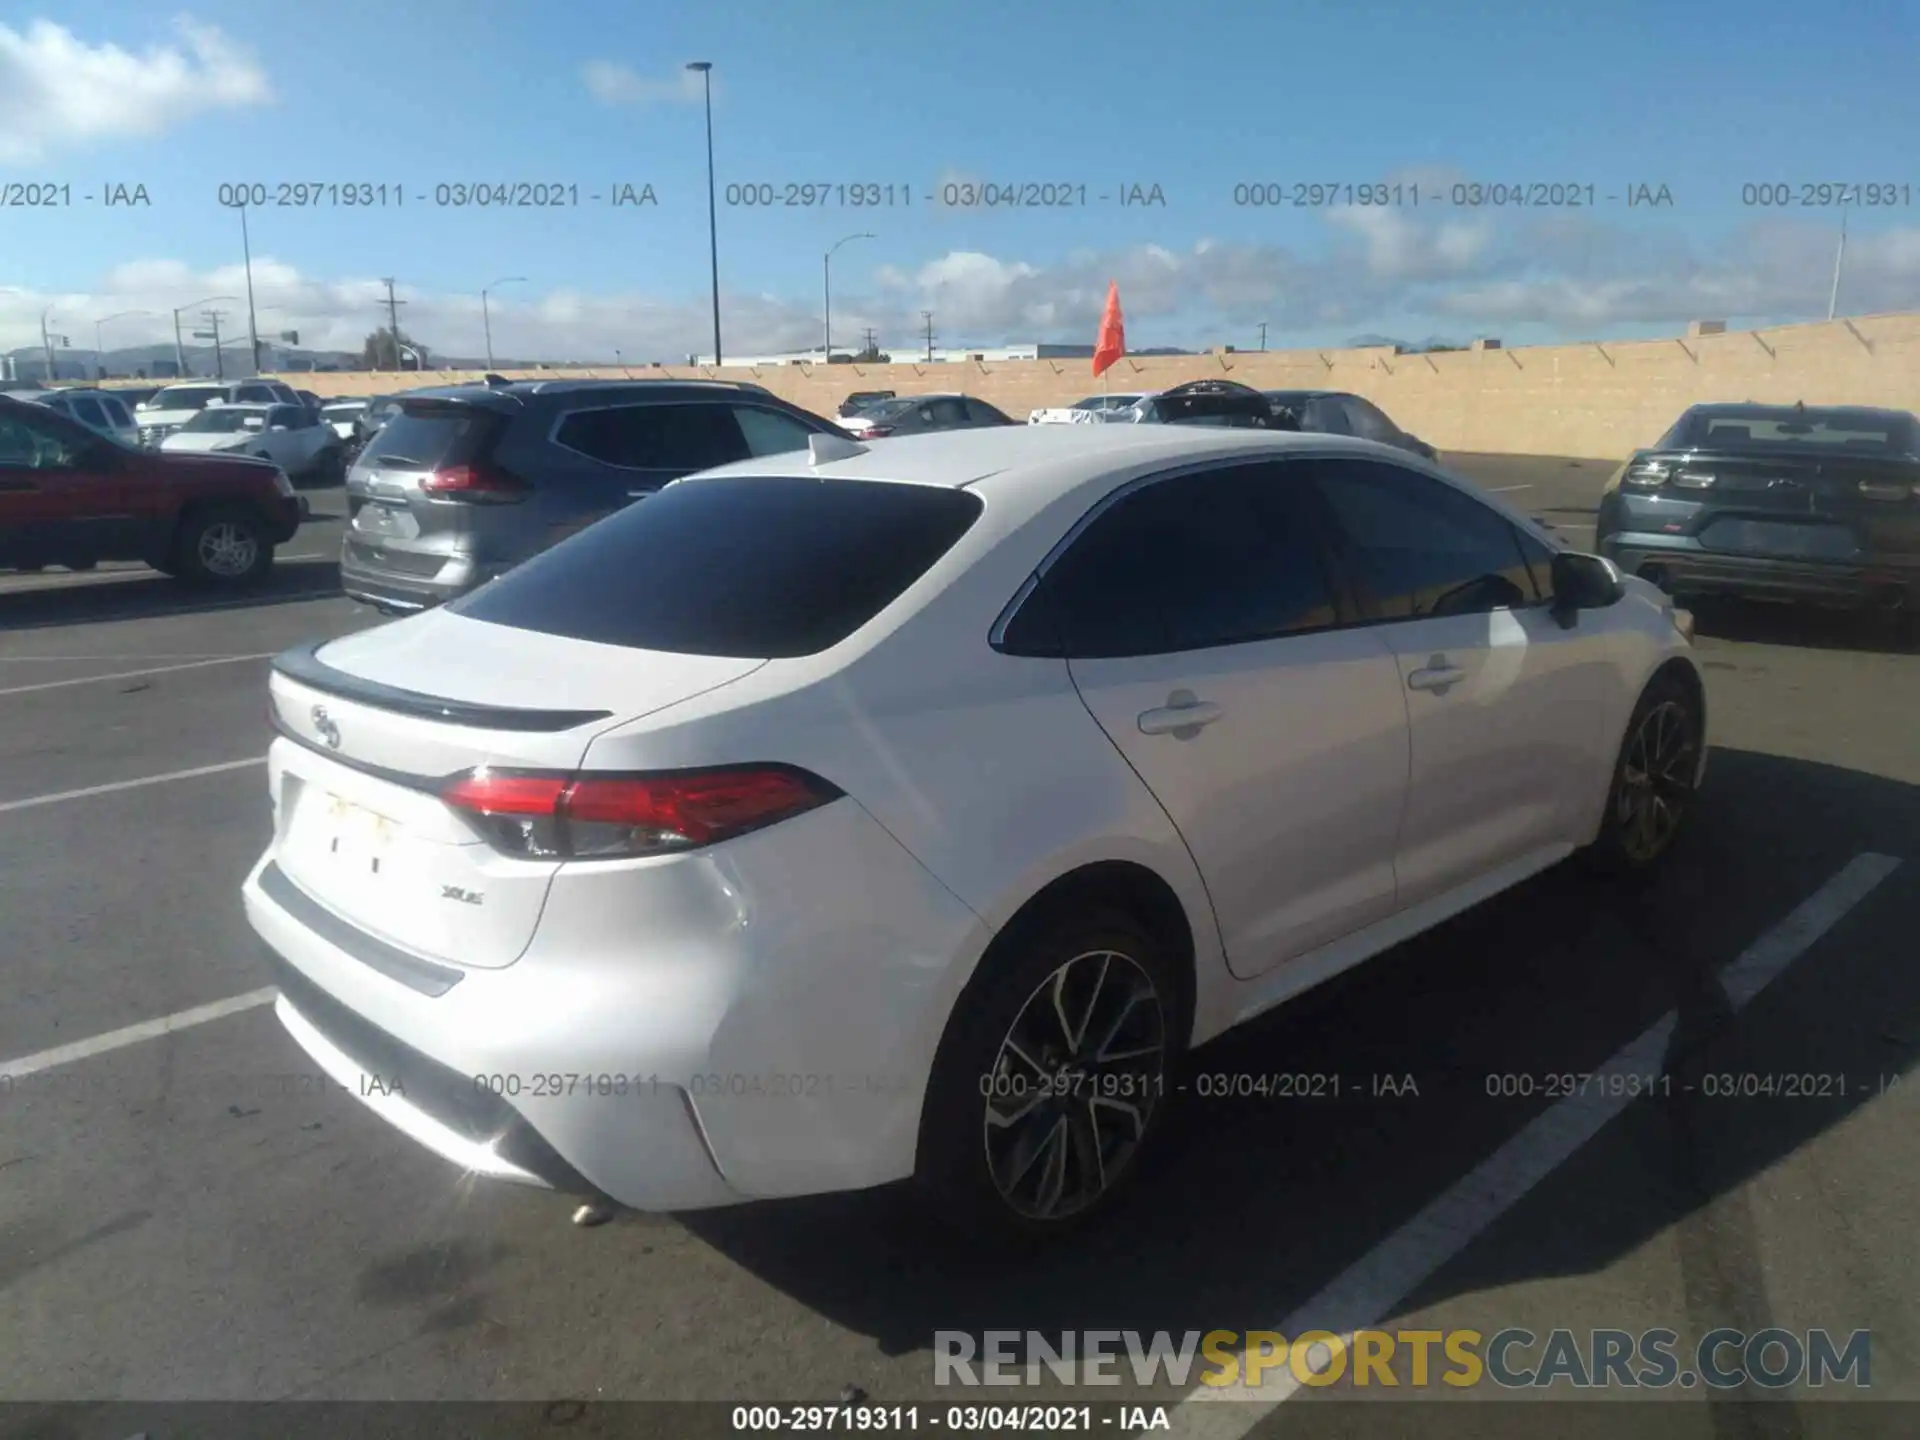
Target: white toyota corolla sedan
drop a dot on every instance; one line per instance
(844, 816)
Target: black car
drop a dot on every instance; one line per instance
(1205, 402)
(1785, 502)
(466, 481)
(861, 399)
(1335, 412)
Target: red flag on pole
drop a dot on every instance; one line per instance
(1112, 342)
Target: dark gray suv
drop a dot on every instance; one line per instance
(467, 481)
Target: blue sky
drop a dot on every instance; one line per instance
(1700, 99)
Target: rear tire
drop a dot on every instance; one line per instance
(224, 546)
(1029, 1128)
(1653, 781)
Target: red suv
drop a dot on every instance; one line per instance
(70, 496)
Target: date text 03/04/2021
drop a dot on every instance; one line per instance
(959, 1419)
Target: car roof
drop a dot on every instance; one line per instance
(1008, 460)
(516, 393)
(1748, 410)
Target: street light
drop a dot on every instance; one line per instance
(705, 70)
(253, 328)
(486, 318)
(99, 353)
(179, 348)
(826, 268)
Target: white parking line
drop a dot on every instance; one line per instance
(134, 1034)
(1366, 1293)
(130, 674)
(112, 786)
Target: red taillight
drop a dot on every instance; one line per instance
(874, 432)
(473, 482)
(559, 816)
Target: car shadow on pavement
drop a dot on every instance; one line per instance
(1252, 1205)
(98, 599)
(1811, 627)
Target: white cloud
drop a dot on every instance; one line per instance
(1572, 275)
(59, 92)
(614, 84)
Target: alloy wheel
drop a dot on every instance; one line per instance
(228, 549)
(1656, 781)
(1074, 1085)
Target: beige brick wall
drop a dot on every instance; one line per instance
(1595, 400)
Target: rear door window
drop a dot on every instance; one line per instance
(761, 567)
(258, 395)
(88, 412)
(682, 438)
(1369, 423)
(117, 414)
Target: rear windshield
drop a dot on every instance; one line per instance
(1814, 429)
(423, 439)
(187, 397)
(754, 567)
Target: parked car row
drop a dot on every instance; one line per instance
(1323, 412)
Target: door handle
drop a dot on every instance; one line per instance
(1438, 675)
(1183, 711)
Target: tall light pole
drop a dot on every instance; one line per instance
(46, 342)
(826, 271)
(705, 70)
(486, 318)
(253, 331)
(99, 353)
(179, 347)
(1833, 295)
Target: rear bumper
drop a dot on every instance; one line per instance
(392, 591)
(286, 517)
(1681, 564)
(677, 1035)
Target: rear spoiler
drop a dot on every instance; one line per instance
(303, 666)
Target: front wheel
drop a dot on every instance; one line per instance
(225, 546)
(1054, 1073)
(1653, 780)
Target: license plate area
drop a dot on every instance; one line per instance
(1781, 540)
(385, 520)
(337, 836)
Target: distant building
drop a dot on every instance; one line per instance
(910, 354)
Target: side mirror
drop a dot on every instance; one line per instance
(1582, 582)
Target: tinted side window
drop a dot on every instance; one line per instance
(946, 411)
(768, 432)
(117, 414)
(1539, 560)
(985, 414)
(682, 438)
(1419, 547)
(750, 566)
(1369, 423)
(88, 412)
(1219, 557)
(1325, 416)
(258, 395)
(37, 443)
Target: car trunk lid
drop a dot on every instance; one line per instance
(1833, 504)
(376, 725)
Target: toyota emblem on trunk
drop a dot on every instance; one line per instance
(329, 731)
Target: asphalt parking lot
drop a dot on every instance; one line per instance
(187, 1216)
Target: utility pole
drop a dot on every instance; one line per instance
(212, 317)
(1833, 295)
(46, 342)
(927, 315)
(253, 329)
(1263, 334)
(393, 321)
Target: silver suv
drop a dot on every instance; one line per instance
(467, 481)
